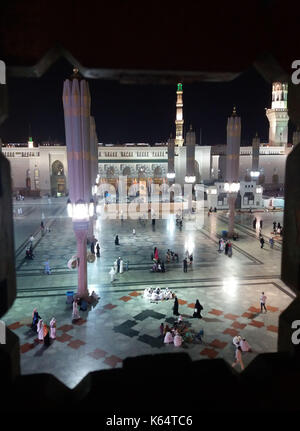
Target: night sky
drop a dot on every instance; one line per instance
(138, 113)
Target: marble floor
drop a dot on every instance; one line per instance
(123, 323)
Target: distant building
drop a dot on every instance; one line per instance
(42, 168)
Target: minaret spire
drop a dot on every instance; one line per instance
(179, 117)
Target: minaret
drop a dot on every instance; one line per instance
(179, 117)
(278, 115)
(255, 156)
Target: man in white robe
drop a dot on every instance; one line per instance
(40, 329)
(53, 328)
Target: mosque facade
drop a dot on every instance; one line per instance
(43, 169)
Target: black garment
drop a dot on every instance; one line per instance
(47, 339)
(274, 225)
(93, 248)
(262, 241)
(117, 240)
(198, 308)
(184, 265)
(98, 250)
(254, 224)
(261, 224)
(226, 248)
(175, 307)
(35, 320)
(163, 267)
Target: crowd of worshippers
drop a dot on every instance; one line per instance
(45, 332)
(179, 333)
(159, 264)
(158, 294)
(226, 246)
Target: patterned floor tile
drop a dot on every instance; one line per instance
(218, 344)
(238, 325)
(113, 360)
(272, 328)
(211, 353)
(182, 302)
(126, 328)
(75, 344)
(248, 315)
(79, 322)
(135, 293)
(26, 347)
(149, 313)
(273, 309)
(254, 309)
(109, 306)
(211, 320)
(191, 305)
(64, 337)
(151, 341)
(15, 326)
(97, 354)
(231, 332)
(65, 328)
(230, 316)
(125, 298)
(257, 323)
(216, 312)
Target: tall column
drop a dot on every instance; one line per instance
(76, 100)
(232, 165)
(81, 230)
(190, 156)
(171, 160)
(255, 153)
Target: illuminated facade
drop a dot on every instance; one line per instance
(278, 115)
(179, 117)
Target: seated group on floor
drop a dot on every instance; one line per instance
(158, 294)
(179, 333)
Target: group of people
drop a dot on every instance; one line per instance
(171, 255)
(226, 246)
(95, 247)
(241, 345)
(44, 331)
(277, 228)
(158, 264)
(118, 267)
(179, 333)
(211, 210)
(82, 304)
(254, 223)
(29, 252)
(197, 309)
(158, 294)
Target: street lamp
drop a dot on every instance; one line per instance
(190, 179)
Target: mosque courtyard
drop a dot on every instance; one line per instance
(123, 323)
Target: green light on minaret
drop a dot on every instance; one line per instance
(179, 87)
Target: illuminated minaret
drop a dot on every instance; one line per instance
(179, 117)
(278, 115)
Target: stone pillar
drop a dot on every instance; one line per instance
(81, 232)
(232, 163)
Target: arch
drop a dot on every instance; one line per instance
(57, 168)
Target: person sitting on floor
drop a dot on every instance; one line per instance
(168, 338)
(177, 339)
